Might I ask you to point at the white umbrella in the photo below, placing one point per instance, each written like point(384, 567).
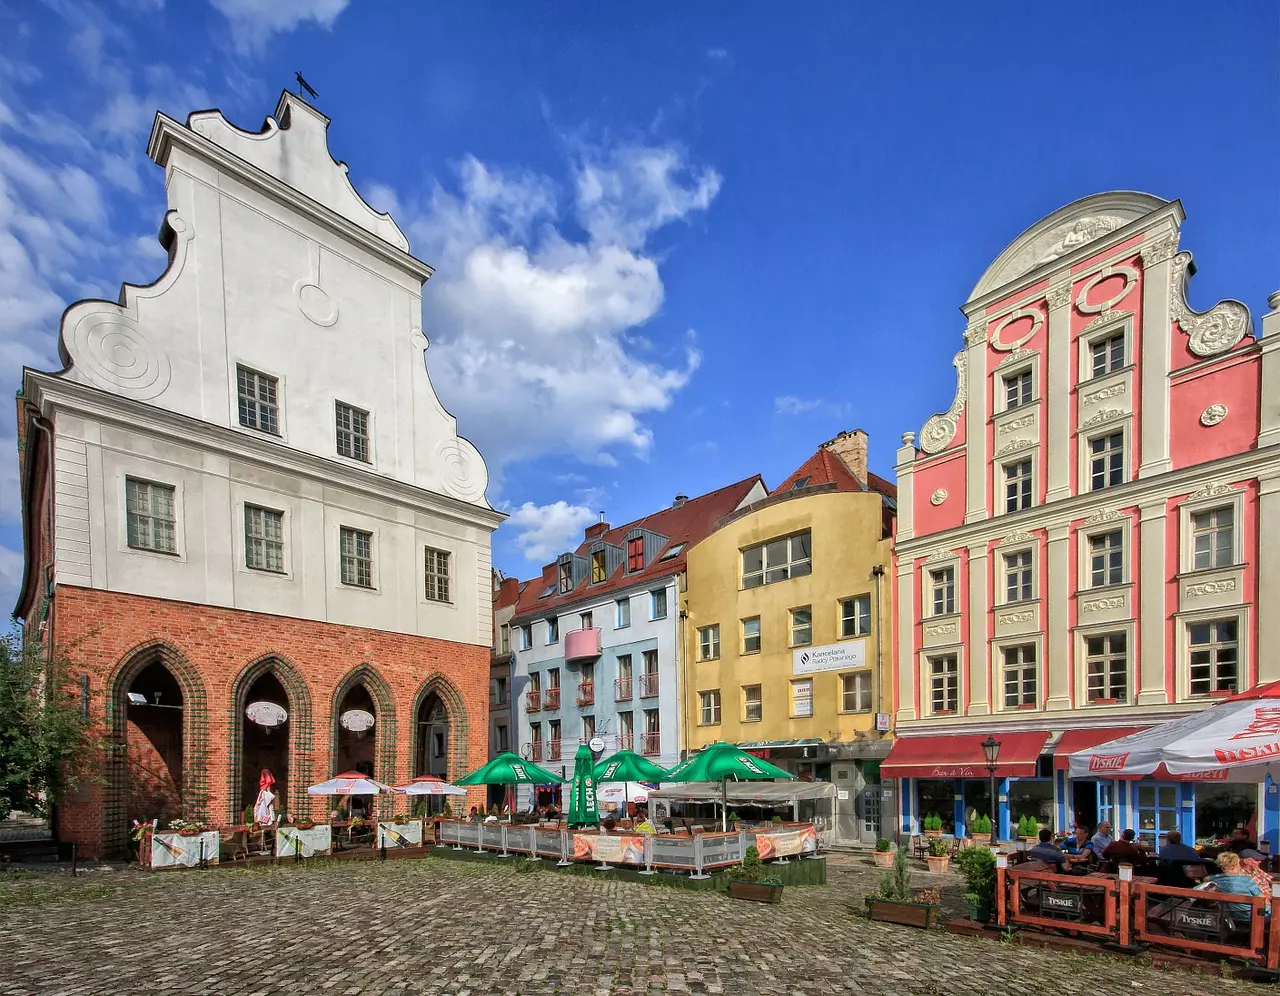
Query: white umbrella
point(614, 792)
point(429, 785)
point(1235, 741)
point(349, 783)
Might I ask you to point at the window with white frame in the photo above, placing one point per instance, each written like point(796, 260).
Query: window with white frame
point(1213, 538)
point(1106, 461)
point(751, 635)
point(1017, 389)
point(263, 539)
point(942, 587)
point(355, 548)
point(1107, 354)
point(256, 395)
point(624, 613)
point(801, 626)
point(752, 704)
point(504, 639)
point(855, 692)
point(526, 636)
point(353, 432)
point(855, 616)
point(437, 570)
point(1106, 558)
point(802, 698)
point(1019, 584)
point(777, 560)
point(944, 684)
point(709, 708)
point(658, 603)
point(553, 629)
point(1019, 676)
point(1213, 656)
point(1017, 485)
point(586, 620)
point(1106, 664)
point(150, 520)
point(708, 642)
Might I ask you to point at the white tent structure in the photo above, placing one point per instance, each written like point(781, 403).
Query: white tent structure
point(786, 798)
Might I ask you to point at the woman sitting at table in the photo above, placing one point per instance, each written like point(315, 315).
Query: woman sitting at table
point(1231, 878)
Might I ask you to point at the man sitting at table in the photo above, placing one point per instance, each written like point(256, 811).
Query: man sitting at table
point(1240, 841)
point(1103, 838)
point(1048, 852)
point(1079, 849)
point(1124, 850)
point(1231, 878)
point(1176, 861)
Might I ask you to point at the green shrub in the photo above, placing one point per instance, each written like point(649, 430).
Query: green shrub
point(896, 885)
point(776, 819)
point(978, 866)
point(884, 844)
point(933, 822)
point(981, 824)
point(1028, 826)
point(939, 848)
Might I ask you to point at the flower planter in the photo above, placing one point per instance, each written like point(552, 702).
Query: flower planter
point(933, 833)
point(190, 833)
point(884, 859)
point(758, 892)
point(907, 914)
point(938, 863)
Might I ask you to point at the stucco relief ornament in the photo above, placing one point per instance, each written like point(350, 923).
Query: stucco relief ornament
point(1212, 490)
point(1213, 414)
point(1016, 444)
point(1072, 236)
point(313, 300)
point(937, 555)
point(938, 497)
point(1102, 416)
point(1037, 320)
point(976, 333)
point(1085, 306)
point(938, 432)
point(1211, 332)
point(1018, 536)
point(1103, 515)
point(1059, 296)
point(1158, 250)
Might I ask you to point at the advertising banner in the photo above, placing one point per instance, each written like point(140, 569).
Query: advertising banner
point(832, 657)
point(173, 850)
point(294, 841)
point(784, 843)
point(608, 848)
point(392, 834)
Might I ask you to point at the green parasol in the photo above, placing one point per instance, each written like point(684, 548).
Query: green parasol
point(627, 766)
point(582, 797)
point(720, 762)
point(509, 769)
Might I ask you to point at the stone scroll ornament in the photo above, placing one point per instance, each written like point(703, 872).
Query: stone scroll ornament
point(1212, 332)
point(940, 430)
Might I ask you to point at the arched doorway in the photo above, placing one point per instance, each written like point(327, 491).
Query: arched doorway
point(266, 722)
point(431, 756)
point(153, 754)
point(356, 737)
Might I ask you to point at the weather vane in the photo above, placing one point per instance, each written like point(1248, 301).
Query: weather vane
point(304, 85)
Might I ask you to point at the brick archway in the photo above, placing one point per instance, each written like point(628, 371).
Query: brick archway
point(195, 735)
point(459, 732)
point(384, 729)
point(301, 731)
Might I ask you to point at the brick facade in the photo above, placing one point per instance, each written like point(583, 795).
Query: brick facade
point(215, 655)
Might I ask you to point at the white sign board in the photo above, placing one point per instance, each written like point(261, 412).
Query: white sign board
point(832, 657)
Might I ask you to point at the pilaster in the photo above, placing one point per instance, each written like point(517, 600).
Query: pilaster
point(1151, 605)
point(975, 436)
point(907, 660)
point(978, 656)
point(1156, 338)
point(1058, 649)
point(1056, 394)
point(1268, 554)
point(1269, 429)
point(904, 473)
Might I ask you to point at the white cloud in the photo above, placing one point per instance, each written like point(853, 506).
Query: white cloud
point(10, 503)
point(717, 54)
point(253, 22)
point(545, 531)
point(10, 576)
point(789, 405)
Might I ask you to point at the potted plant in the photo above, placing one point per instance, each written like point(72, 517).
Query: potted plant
point(980, 826)
point(933, 825)
point(892, 902)
point(732, 821)
point(978, 866)
point(748, 880)
point(1028, 829)
point(884, 853)
point(938, 855)
point(776, 821)
point(447, 812)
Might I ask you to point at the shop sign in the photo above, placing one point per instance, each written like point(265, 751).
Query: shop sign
point(1060, 902)
point(833, 657)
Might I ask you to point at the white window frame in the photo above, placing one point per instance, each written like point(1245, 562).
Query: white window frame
point(526, 636)
point(655, 596)
point(857, 677)
point(1118, 427)
point(1107, 634)
point(746, 703)
point(619, 606)
point(443, 581)
point(1234, 498)
point(709, 707)
point(279, 432)
point(1005, 553)
point(1085, 538)
point(1182, 647)
point(150, 482)
point(856, 630)
point(742, 635)
point(709, 642)
point(792, 567)
point(1028, 455)
point(1080, 645)
point(926, 681)
point(374, 559)
point(1018, 372)
point(1121, 324)
point(1001, 665)
point(795, 686)
point(367, 459)
point(245, 508)
point(930, 588)
point(796, 630)
point(587, 620)
point(552, 630)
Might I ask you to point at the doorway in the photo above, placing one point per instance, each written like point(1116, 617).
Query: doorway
point(265, 731)
point(153, 746)
point(1084, 803)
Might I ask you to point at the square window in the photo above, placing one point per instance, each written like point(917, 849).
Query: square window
point(553, 630)
point(353, 432)
point(437, 570)
point(801, 627)
point(659, 598)
point(709, 708)
point(355, 548)
point(1017, 390)
point(1213, 538)
point(624, 613)
point(1020, 676)
point(942, 581)
point(802, 698)
point(855, 692)
point(1213, 657)
point(1107, 354)
point(1017, 486)
point(256, 394)
point(1106, 559)
point(263, 539)
point(1106, 461)
point(751, 635)
point(150, 520)
point(1106, 667)
point(708, 642)
point(855, 616)
point(944, 684)
point(752, 706)
point(1018, 580)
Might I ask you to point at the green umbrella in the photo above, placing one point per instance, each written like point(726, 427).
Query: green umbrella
point(721, 761)
point(627, 766)
point(582, 797)
point(509, 769)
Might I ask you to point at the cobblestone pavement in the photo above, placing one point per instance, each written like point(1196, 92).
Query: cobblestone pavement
point(440, 926)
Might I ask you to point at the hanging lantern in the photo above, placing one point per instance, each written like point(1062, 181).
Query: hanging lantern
point(356, 720)
point(268, 715)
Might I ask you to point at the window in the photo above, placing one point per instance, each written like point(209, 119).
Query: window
point(263, 539)
point(800, 483)
point(709, 708)
point(553, 678)
point(626, 730)
point(752, 707)
point(672, 553)
point(855, 692)
point(256, 394)
point(500, 690)
point(652, 743)
point(1108, 354)
point(356, 557)
point(942, 581)
point(526, 636)
point(149, 516)
point(502, 744)
point(751, 635)
point(649, 679)
point(1213, 538)
point(624, 667)
point(635, 554)
point(1106, 559)
point(624, 613)
point(553, 630)
point(944, 684)
point(437, 565)
point(1106, 461)
point(777, 560)
point(1158, 810)
point(855, 616)
point(801, 627)
point(504, 639)
point(535, 741)
point(1106, 668)
point(535, 682)
point(1017, 390)
point(1019, 676)
point(708, 643)
point(1214, 656)
point(588, 727)
point(548, 590)
point(586, 620)
point(566, 576)
point(802, 698)
point(1017, 576)
point(353, 432)
point(1017, 486)
point(598, 573)
point(659, 600)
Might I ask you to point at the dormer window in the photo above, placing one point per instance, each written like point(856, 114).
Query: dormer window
point(566, 576)
point(598, 570)
point(801, 483)
point(635, 554)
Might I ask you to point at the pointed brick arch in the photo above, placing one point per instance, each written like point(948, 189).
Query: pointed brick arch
point(384, 729)
point(301, 731)
point(459, 732)
point(195, 734)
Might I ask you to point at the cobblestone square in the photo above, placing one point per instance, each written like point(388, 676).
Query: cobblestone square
point(440, 926)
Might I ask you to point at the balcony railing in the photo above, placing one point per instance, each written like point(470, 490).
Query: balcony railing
point(622, 689)
point(532, 701)
point(582, 644)
point(651, 743)
point(551, 698)
point(586, 693)
point(535, 750)
point(626, 741)
point(649, 685)
point(553, 750)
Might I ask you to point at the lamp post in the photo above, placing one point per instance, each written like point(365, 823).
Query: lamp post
point(991, 749)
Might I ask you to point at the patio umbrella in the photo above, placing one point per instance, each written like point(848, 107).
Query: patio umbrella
point(349, 783)
point(582, 797)
point(720, 762)
point(429, 785)
point(510, 769)
point(627, 766)
point(620, 792)
point(1235, 741)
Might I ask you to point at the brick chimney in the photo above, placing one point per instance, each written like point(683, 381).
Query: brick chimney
point(508, 591)
point(597, 528)
point(851, 447)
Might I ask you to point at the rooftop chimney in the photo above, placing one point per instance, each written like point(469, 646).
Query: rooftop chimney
point(679, 501)
point(851, 447)
point(597, 528)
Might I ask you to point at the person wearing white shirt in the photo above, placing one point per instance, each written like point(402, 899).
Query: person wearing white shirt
point(1103, 838)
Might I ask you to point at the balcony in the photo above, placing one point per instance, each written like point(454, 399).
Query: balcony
point(626, 741)
point(532, 701)
point(622, 689)
point(651, 744)
point(649, 685)
point(582, 644)
point(535, 750)
point(553, 750)
point(586, 693)
point(551, 698)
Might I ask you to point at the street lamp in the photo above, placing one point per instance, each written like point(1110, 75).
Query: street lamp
point(991, 749)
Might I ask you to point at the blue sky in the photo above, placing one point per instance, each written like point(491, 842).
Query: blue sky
point(677, 244)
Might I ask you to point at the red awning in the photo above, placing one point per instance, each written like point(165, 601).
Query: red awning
point(1074, 740)
point(961, 756)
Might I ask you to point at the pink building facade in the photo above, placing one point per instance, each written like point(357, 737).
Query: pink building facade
point(1089, 536)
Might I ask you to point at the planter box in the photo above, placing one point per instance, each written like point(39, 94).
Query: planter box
point(758, 892)
point(938, 863)
point(933, 833)
point(907, 914)
point(884, 859)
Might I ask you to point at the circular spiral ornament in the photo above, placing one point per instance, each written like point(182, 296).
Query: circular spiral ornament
point(115, 354)
point(462, 472)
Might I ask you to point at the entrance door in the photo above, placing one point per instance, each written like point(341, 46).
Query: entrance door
point(870, 813)
point(848, 783)
point(1084, 802)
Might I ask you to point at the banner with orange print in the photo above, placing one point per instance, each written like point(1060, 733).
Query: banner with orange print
point(608, 848)
point(783, 843)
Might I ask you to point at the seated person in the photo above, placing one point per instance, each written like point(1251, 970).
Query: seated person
point(1231, 878)
point(1240, 841)
point(1103, 838)
point(1048, 852)
point(1251, 864)
point(642, 822)
point(1175, 858)
point(474, 815)
point(1079, 850)
point(1124, 850)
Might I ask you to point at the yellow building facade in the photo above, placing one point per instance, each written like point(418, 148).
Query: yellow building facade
point(787, 630)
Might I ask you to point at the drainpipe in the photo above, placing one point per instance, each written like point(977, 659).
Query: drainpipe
point(877, 572)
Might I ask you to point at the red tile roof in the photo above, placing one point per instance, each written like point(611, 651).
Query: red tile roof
point(686, 524)
point(824, 467)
